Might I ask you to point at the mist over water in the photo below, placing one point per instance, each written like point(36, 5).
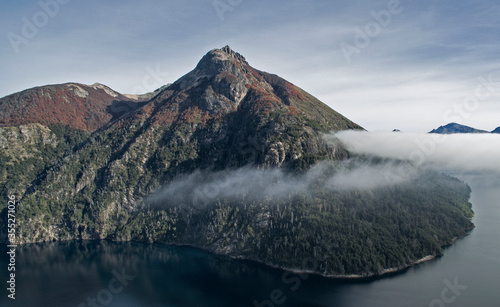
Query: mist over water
point(456, 152)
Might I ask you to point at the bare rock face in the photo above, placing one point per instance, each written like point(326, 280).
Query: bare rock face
point(225, 77)
point(223, 60)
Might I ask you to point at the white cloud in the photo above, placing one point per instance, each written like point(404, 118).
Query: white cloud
point(202, 188)
point(457, 152)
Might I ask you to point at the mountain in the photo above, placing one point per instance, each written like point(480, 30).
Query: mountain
point(453, 128)
point(497, 130)
point(74, 105)
point(233, 160)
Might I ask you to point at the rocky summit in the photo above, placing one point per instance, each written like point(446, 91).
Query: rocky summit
point(86, 162)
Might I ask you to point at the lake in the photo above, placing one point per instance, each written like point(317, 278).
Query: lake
point(94, 273)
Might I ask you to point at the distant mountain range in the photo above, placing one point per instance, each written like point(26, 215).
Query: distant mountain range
point(453, 128)
point(200, 161)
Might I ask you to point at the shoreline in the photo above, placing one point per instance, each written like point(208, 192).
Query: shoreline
point(371, 275)
point(274, 266)
point(343, 276)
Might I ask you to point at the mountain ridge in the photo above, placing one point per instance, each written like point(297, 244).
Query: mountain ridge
point(79, 106)
point(454, 128)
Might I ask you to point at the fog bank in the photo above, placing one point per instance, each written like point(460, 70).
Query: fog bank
point(456, 152)
point(251, 184)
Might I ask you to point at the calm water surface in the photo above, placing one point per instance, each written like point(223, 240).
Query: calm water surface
point(85, 274)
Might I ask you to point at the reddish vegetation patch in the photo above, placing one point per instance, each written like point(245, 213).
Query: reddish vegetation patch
point(227, 76)
point(294, 111)
point(191, 115)
point(285, 90)
point(147, 109)
point(255, 74)
point(263, 105)
point(205, 117)
point(58, 104)
point(292, 91)
point(262, 101)
point(165, 117)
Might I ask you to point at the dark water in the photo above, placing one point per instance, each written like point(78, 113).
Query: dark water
point(85, 274)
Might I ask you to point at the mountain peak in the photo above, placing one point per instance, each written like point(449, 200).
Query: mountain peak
point(224, 77)
point(223, 82)
point(105, 88)
point(226, 53)
point(221, 60)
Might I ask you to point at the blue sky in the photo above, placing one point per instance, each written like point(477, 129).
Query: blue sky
point(411, 65)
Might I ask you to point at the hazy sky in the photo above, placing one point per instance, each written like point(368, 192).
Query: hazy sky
point(411, 65)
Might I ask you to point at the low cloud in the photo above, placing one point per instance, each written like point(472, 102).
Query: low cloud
point(456, 152)
point(250, 184)
point(368, 176)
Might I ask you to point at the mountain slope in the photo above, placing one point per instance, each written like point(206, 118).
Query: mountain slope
point(456, 128)
point(41, 125)
point(497, 130)
point(27, 150)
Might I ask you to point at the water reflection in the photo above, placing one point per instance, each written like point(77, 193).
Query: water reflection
point(66, 273)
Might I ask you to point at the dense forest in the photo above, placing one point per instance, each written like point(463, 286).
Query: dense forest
point(341, 232)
